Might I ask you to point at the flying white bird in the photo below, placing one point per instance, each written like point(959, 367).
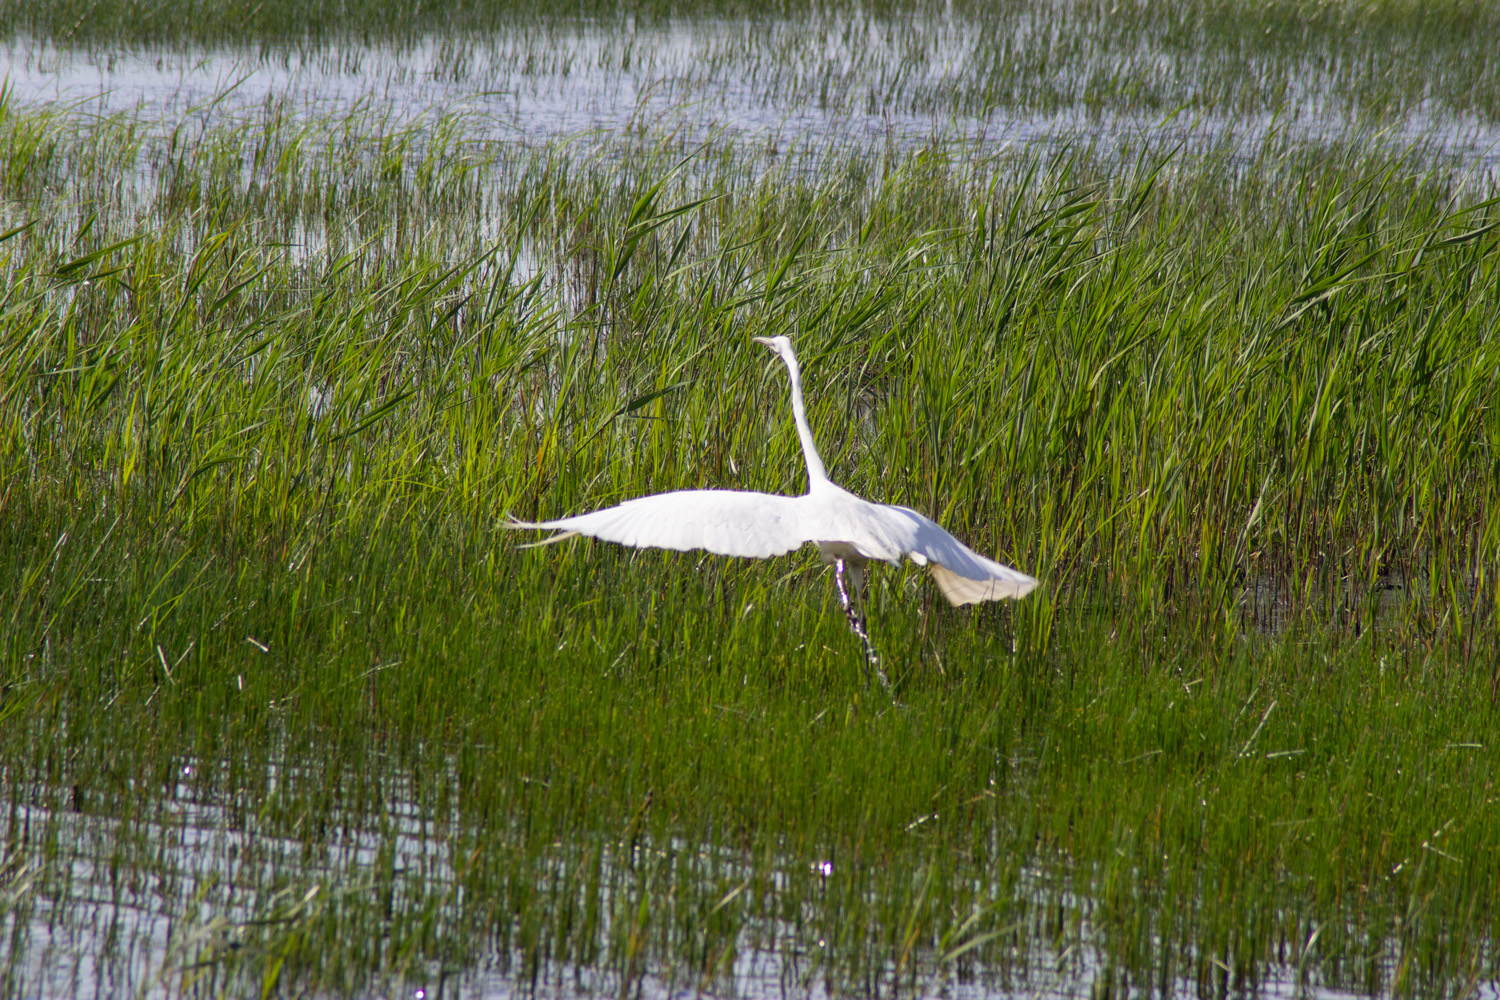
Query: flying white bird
point(848, 530)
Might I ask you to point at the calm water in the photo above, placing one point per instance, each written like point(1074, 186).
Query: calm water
point(127, 906)
point(786, 85)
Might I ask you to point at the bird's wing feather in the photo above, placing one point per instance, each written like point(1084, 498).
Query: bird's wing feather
point(725, 522)
point(965, 576)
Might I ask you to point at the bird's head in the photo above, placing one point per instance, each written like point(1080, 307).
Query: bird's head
point(778, 345)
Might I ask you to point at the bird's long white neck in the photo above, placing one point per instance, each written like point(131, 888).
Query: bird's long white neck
point(817, 475)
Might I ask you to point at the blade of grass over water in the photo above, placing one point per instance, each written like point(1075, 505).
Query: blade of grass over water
point(285, 710)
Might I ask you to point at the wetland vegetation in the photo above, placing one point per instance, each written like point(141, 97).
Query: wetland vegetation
point(1209, 346)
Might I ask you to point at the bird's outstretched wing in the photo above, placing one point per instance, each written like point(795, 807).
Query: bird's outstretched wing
point(725, 522)
point(964, 576)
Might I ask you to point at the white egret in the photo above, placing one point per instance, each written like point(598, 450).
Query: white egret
point(848, 530)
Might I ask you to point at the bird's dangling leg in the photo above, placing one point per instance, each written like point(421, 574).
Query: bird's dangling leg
point(857, 625)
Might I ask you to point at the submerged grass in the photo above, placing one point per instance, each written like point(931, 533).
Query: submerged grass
point(271, 672)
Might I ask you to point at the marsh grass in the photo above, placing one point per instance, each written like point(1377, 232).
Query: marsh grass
point(276, 684)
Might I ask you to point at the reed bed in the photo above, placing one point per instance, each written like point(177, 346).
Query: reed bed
point(284, 709)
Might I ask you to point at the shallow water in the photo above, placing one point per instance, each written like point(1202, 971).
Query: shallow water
point(787, 85)
point(583, 86)
point(116, 906)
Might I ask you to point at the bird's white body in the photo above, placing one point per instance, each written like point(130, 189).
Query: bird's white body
point(847, 529)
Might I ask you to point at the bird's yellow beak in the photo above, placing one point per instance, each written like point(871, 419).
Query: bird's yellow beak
point(764, 340)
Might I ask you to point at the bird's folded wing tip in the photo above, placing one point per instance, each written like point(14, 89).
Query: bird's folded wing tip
point(961, 590)
point(516, 524)
point(561, 536)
